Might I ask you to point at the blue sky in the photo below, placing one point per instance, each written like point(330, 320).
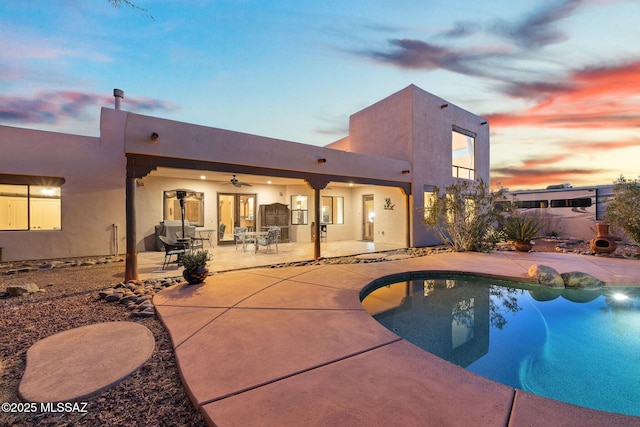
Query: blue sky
point(559, 80)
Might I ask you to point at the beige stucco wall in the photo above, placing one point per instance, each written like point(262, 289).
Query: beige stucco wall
point(389, 224)
point(92, 196)
point(188, 141)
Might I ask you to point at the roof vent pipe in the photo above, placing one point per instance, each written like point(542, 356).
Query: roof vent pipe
point(118, 95)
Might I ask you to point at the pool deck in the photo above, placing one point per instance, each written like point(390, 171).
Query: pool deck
point(294, 346)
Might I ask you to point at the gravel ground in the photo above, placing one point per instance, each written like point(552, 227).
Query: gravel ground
point(151, 396)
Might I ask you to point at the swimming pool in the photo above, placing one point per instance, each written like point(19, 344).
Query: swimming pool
point(575, 346)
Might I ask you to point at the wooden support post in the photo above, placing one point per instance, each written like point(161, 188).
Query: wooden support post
point(131, 261)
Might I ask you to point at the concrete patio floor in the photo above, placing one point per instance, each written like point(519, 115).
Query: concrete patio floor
point(294, 346)
point(225, 258)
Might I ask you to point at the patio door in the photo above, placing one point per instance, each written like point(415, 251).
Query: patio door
point(235, 210)
point(368, 217)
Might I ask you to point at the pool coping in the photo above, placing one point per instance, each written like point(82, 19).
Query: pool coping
point(281, 346)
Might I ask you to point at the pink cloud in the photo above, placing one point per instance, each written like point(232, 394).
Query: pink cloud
point(594, 98)
point(52, 107)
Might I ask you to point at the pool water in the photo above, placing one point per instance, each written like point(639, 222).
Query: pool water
point(576, 346)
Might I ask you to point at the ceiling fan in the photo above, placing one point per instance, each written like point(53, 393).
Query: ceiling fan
point(237, 183)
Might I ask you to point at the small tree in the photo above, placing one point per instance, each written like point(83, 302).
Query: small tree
point(624, 209)
point(465, 216)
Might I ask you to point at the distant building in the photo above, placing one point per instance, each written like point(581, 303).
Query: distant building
point(566, 211)
point(67, 195)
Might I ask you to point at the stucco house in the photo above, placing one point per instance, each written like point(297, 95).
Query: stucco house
point(65, 195)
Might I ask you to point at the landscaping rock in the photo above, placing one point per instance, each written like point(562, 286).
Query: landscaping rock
point(137, 295)
point(19, 290)
point(546, 276)
point(577, 279)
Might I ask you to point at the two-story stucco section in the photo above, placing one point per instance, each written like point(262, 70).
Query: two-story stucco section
point(416, 126)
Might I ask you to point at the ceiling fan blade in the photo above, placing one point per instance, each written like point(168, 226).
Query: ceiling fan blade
point(237, 183)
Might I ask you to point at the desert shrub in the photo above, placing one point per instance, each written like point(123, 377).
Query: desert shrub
point(465, 216)
point(520, 227)
point(624, 209)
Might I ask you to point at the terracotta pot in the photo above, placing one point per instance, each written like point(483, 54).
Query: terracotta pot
point(602, 244)
point(195, 276)
point(521, 246)
point(602, 230)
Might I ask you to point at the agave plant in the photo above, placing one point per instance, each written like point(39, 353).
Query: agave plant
point(195, 260)
point(521, 228)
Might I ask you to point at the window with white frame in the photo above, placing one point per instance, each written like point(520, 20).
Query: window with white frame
point(332, 210)
point(463, 153)
point(27, 206)
point(299, 210)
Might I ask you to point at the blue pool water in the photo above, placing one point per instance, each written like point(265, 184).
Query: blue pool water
point(576, 346)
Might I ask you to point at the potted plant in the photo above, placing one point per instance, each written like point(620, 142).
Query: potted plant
point(521, 229)
point(195, 266)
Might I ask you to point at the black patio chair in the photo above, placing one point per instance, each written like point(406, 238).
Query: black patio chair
point(170, 249)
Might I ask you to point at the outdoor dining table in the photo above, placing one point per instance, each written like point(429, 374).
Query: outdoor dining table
point(255, 235)
point(204, 235)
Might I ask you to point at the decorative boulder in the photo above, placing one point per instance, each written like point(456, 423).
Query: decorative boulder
point(577, 279)
point(546, 276)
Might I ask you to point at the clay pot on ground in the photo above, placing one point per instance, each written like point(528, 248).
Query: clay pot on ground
point(196, 275)
point(522, 246)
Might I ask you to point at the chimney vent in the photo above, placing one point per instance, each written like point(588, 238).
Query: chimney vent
point(118, 95)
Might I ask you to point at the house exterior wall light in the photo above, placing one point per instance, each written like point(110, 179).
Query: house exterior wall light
point(154, 136)
point(406, 172)
point(322, 160)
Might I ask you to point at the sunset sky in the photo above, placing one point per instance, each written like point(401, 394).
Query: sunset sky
point(559, 80)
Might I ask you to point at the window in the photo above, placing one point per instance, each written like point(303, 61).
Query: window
point(532, 204)
point(584, 202)
point(469, 209)
point(30, 207)
point(463, 153)
point(451, 208)
point(429, 207)
point(193, 207)
point(332, 210)
point(299, 210)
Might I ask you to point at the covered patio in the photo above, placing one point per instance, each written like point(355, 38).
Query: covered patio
point(227, 258)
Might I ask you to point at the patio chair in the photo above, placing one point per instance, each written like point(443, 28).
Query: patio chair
point(170, 249)
point(273, 235)
point(323, 232)
point(240, 238)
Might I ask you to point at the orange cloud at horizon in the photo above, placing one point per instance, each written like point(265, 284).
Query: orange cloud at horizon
point(595, 98)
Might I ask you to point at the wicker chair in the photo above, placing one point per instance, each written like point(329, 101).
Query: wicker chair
point(170, 249)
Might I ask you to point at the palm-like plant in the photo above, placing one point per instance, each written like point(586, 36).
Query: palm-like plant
point(521, 228)
point(196, 260)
